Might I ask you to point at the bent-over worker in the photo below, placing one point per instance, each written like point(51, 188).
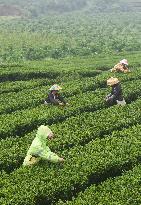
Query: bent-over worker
point(39, 150)
point(115, 97)
point(54, 97)
point(121, 67)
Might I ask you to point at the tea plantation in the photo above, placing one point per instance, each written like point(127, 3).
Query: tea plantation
point(101, 145)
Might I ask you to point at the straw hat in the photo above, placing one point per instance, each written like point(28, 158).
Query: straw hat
point(112, 81)
point(124, 61)
point(55, 87)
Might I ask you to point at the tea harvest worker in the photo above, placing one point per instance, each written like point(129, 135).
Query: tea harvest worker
point(39, 150)
point(121, 67)
point(54, 96)
point(115, 97)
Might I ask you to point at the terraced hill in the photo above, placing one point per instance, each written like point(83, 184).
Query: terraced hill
point(100, 144)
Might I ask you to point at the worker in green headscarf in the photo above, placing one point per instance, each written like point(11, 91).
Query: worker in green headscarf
point(39, 150)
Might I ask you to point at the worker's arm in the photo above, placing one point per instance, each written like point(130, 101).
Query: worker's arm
point(115, 68)
point(116, 92)
point(126, 69)
point(108, 96)
point(52, 100)
point(111, 99)
point(50, 156)
point(61, 99)
point(111, 96)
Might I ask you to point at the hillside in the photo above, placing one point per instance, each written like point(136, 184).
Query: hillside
point(101, 144)
point(34, 8)
point(39, 30)
point(72, 43)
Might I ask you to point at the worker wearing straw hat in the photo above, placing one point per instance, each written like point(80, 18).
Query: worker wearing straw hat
point(121, 67)
point(54, 97)
point(115, 97)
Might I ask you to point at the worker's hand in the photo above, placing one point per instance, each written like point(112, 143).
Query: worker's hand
point(110, 98)
point(67, 104)
point(61, 104)
point(50, 136)
point(61, 160)
point(107, 97)
point(45, 103)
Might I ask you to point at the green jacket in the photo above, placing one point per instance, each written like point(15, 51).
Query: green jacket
point(39, 146)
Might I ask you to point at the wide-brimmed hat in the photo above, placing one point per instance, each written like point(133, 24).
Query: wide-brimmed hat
point(112, 81)
point(124, 61)
point(55, 87)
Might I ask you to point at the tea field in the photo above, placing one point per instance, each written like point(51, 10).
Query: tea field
point(62, 28)
point(101, 145)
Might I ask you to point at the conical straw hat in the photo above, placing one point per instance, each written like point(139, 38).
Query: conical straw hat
point(55, 87)
point(112, 81)
point(124, 61)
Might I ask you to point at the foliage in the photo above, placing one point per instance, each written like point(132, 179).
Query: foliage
point(99, 27)
point(94, 158)
point(123, 189)
point(98, 142)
